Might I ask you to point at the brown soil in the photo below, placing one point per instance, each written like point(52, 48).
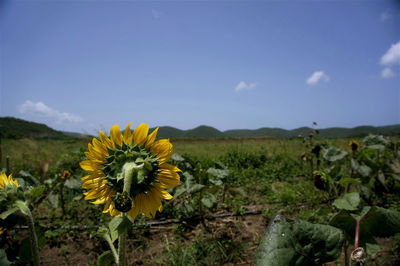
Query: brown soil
point(147, 246)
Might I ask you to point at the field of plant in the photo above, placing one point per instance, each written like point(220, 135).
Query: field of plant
point(261, 201)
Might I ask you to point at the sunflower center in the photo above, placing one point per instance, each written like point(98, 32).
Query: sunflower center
point(354, 146)
point(144, 173)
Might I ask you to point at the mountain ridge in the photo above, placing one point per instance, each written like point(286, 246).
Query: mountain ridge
point(16, 128)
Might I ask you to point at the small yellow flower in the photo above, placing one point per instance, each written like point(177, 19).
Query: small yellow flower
point(7, 181)
point(107, 159)
point(65, 175)
point(354, 146)
point(2, 230)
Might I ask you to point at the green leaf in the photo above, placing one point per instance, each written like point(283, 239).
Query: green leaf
point(37, 192)
point(53, 200)
point(73, 183)
point(216, 182)
point(218, 173)
point(187, 209)
point(21, 205)
point(349, 201)
point(364, 170)
point(375, 142)
point(3, 258)
point(346, 222)
point(298, 243)
point(191, 185)
point(105, 259)
point(179, 191)
point(8, 212)
point(375, 222)
point(27, 175)
point(103, 232)
point(119, 225)
point(381, 222)
point(396, 177)
point(209, 201)
point(25, 252)
point(395, 166)
point(382, 179)
point(195, 188)
point(349, 180)
point(372, 248)
point(354, 164)
point(333, 154)
point(177, 158)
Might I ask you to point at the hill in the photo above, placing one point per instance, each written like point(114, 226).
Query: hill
point(334, 132)
point(15, 128)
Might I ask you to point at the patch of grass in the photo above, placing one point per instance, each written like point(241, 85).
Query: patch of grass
point(203, 251)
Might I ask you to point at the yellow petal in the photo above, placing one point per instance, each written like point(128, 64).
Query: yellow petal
point(3, 180)
point(162, 149)
point(107, 205)
point(162, 193)
point(98, 201)
point(167, 177)
point(98, 154)
point(140, 134)
point(93, 158)
point(116, 136)
point(94, 183)
point(93, 194)
point(134, 211)
point(90, 166)
point(100, 147)
point(106, 141)
point(114, 212)
point(93, 175)
point(151, 138)
point(128, 134)
point(170, 167)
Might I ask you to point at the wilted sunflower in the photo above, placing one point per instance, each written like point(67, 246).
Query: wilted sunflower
point(133, 160)
point(354, 146)
point(65, 175)
point(7, 181)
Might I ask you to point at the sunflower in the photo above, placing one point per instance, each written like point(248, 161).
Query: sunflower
point(65, 175)
point(2, 230)
point(129, 172)
point(354, 146)
point(7, 181)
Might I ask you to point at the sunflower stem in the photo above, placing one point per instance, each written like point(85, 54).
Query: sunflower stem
point(34, 241)
point(122, 247)
point(130, 170)
point(23, 207)
point(113, 250)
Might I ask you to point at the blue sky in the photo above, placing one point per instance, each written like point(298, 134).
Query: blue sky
point(87, 65)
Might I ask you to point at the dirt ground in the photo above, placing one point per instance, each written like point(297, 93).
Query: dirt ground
point(84, 249)
point(148, 246)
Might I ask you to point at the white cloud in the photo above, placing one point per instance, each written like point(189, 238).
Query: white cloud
point(386, 15)
point(42, 111)
point(387, 73)
point(316, 77)
point(155, 13)
point(392, 56)
point(243, 86)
